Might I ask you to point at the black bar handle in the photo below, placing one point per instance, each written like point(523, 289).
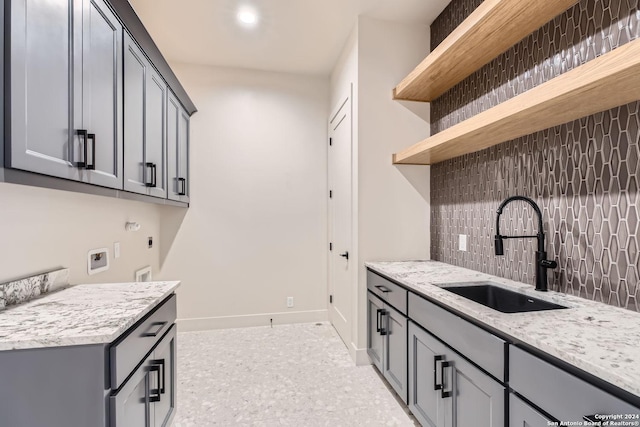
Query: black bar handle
point(437, 358)
point(84, 134)
point(182, 188)
point(92, 137)
point(383, 313)
point(378, 311)
point(446, 364)
point(151, 166)
point(345, 255)
point(383, 288)
point(155, 333)
point(154, 393)
point(161, 378)
point(155, 175)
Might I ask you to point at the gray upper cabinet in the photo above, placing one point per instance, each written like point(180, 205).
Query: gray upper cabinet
point(65, 90)
point(73, 70)
point(42, 65)
point(178, 150)
point(102, 94)
point(145, 94)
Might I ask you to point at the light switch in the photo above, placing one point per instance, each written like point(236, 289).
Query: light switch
point(462, 242)
point(116, 250)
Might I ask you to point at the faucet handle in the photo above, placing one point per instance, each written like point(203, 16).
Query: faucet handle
point(548, 263)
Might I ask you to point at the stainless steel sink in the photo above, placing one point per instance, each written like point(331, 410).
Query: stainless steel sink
point(501, 299)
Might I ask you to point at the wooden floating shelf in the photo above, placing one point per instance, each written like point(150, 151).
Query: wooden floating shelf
point(608, 81)
point(490, 30)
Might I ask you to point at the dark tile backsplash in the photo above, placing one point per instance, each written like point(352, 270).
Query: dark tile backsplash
point(584, 174)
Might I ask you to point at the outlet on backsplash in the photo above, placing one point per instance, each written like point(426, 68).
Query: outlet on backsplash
point(462, 242)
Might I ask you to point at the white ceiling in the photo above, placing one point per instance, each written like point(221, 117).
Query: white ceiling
point(297, 36)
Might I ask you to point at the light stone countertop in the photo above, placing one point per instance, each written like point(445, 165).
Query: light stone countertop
point(80, 315)
point(598, 338)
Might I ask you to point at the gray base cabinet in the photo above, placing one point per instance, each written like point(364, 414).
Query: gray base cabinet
point(425, 381)
point(387, 343)
point(523, 415)
point(461, 375)
point(445, 390)
point(80, 385)
point(148, 397)
point(560, 394)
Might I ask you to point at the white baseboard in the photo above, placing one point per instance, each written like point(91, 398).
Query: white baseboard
point(248, 320)
point(359, 355)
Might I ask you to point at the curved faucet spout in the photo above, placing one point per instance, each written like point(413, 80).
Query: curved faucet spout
point(533, 204)
point(542, 264)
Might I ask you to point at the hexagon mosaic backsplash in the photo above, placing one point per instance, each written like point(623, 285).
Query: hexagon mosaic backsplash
point(584, 175)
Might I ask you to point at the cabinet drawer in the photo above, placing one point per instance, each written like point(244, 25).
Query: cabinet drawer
point(564, 396)
point(484, 348)
point(127, 352)
point(147, 398)
point(389, 292)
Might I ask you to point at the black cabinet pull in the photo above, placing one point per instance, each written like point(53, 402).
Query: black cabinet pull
point(378, 319)
point(84, 134)
point(155, 333)
point(383, 289)
point(154, 393)
point(92, 137)
point(182, 185)
point(383, 314)
point(446, 364)
point(436, 359)
point(345, 255)
point(161, 375)
point(153, 168)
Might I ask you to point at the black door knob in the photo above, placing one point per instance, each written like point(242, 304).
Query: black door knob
point(345, 255)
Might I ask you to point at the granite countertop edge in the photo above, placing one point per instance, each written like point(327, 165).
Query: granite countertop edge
point(592, 336)
point(87, 314)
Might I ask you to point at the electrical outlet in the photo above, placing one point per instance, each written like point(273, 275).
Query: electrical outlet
point(289, 302)
point(462, 242)
point(116, 250)
point(150, 242)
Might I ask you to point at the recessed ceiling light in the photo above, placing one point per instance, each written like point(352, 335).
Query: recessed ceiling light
point(247, 16)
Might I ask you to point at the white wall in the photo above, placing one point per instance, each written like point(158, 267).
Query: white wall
point(392, 213)
point(256, 229)
point(42, 229)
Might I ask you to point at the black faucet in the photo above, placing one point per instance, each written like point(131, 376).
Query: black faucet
point(542, 263)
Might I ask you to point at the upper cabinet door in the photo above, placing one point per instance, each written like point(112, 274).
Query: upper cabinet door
point(42, 76)
point(156, 132)
point(102, 93)
point(136, 174)
point(183, 150)
point(145, 94)
point(177, 150)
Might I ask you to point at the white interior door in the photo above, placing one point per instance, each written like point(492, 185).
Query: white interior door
point(341, 261)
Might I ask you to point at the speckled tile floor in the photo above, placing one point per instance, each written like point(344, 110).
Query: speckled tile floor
point(288, 375)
